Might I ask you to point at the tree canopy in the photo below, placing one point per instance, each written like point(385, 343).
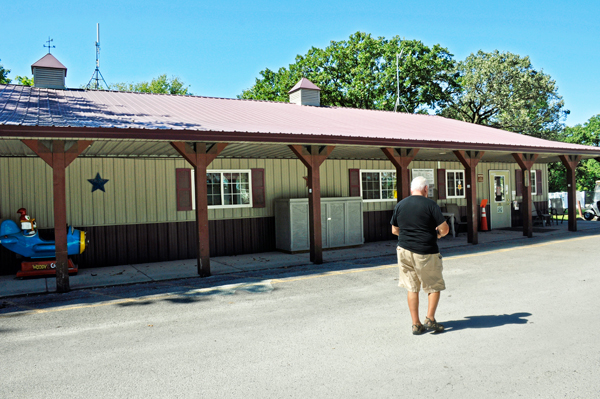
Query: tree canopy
point(503, 90)
point(24, 80)
point(161, 84)
point(361, 73)
point(588, 170)
point(4, 80)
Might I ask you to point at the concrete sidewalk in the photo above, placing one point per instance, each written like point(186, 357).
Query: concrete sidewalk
point(161, 271)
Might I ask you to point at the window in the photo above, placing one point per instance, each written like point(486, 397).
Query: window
point(378, 185)
point(227, 189)
point(499, 189)
point(455, 184)
point(428, 175)
point(533, 182)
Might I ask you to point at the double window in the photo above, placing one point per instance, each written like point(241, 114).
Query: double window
point(378, 185)
point(228, 188)
point(455, 184)
point(225, 189)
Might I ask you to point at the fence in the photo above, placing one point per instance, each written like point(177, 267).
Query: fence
point(584, 197)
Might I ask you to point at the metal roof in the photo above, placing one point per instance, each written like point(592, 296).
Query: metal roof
point(304, 84)
point(49, 61)
point(254, 128)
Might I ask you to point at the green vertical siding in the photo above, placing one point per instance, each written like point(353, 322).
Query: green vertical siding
point(144, 191)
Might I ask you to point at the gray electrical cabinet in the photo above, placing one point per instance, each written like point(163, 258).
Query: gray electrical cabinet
point(341, 223)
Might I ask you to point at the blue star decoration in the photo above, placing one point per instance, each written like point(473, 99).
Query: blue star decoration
point(98, 183)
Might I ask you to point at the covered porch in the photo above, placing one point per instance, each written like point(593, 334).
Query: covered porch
point(61, 126)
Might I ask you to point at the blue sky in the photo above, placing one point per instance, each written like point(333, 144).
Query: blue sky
point(219, 47)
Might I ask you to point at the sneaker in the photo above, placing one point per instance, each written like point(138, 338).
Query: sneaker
point(418, 329)
point(433, 325)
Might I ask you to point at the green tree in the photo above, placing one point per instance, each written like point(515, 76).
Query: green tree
point(24, 80)
point(503, 90)
point(4, 80)
point(588, 170)
point(161, 84)
point(361, 73)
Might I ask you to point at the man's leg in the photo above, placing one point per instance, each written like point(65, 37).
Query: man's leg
point(434, 299)
point(413, 306)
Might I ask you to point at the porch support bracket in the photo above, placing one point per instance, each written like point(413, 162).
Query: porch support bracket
point(470, 159)
point(525, 162)
point(401, 158)
point(58, 156)
point(312, 156)
point(200, 155)
point(571, 162)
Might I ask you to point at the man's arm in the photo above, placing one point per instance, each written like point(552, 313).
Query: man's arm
point(442, 230)
point(395, 230)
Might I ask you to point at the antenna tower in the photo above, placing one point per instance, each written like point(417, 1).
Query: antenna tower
point(95, 82)
point(398, 100)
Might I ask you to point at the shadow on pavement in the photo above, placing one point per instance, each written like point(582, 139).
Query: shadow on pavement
point(488, 321)
point(190, 290)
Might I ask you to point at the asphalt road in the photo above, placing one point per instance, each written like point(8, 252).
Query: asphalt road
point(521, 322)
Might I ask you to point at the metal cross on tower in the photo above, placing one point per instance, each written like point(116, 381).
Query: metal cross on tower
point(95, 82)
point(49, 41)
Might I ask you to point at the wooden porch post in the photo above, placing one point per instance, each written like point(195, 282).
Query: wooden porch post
point(470, 159)
point(401, 158)
point(58, 159)
point(526, 161)
point(200, 156)
point(60, 216)
point(571, 162)
point(312, 157)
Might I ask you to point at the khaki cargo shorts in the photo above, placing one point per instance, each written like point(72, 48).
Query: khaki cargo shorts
point(417, 270)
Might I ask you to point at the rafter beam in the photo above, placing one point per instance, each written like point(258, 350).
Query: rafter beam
point(401, 158)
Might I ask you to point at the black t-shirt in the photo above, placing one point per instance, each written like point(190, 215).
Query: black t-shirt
point(417, 217)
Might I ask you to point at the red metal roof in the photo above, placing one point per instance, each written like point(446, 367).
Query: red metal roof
point(48, 61)
point(106, 114)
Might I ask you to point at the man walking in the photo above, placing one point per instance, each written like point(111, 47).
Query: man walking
point(418, 222)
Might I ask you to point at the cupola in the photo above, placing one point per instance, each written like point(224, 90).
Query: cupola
point(49, 73)
point(305, 92)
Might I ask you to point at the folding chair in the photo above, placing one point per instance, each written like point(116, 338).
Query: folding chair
point(540, 217)
point(458, 220)
point(557, 209)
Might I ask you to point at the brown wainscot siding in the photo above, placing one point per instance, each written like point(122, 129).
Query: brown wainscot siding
point(142, 243)
point(377, 227)
point(156, 242)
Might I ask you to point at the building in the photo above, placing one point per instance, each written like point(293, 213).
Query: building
point(198, 177)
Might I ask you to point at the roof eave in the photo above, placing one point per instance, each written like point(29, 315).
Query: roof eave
point(46, 132)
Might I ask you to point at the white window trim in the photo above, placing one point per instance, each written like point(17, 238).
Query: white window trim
point(534, 184)
point(376, 171)
point(248, 171)
point(464, 183)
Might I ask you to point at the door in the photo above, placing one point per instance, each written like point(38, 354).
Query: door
point(499, 199)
